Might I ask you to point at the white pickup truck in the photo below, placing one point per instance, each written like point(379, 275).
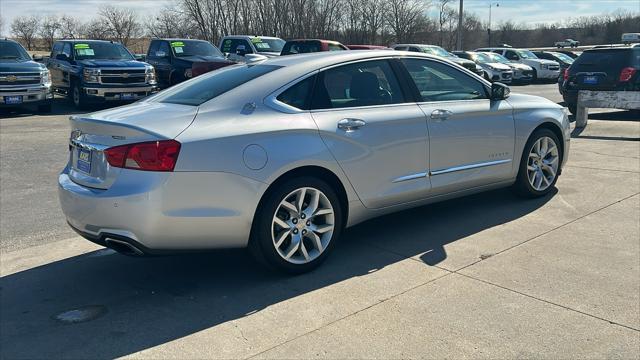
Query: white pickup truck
point(567, 42)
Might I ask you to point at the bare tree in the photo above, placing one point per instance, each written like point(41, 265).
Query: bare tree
point(121, 23)
point(49, 30)
point(169, 22)
point(405, 18)
point(25, 29)
point(70, 27)
point(95, 29)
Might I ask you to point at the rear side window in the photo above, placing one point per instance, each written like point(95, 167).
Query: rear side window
point(365, 83)
point(335, 47)
point(299, 95)
point(439, 82)
point(153, 48)
point(208, 86)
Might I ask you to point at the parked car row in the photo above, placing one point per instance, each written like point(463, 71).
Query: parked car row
point(96, 71)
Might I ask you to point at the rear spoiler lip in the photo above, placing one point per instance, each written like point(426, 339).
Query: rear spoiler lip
point(112, 123)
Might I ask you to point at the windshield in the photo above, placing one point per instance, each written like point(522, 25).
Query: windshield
point(436, 50)
point(98, 50)
point(526, 54)
point(268, 45)
point(481, 58)
point(208, 86)
point(564, 57)
point(185, 48)
point(497, 58)
point(11, 50)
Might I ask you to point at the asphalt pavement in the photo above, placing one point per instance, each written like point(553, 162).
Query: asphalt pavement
point(485, 276)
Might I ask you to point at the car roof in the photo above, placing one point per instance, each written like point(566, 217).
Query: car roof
point(249, 37)
point(87, 41)
point(320, 40)
point(420, 45)
point(178, 39)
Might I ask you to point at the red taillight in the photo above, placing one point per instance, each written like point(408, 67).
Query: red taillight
point(150, 156)
point(627, 73)
point(565, 75)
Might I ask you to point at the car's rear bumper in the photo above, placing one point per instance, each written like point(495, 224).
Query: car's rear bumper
point(548, 74)
point(164, 212)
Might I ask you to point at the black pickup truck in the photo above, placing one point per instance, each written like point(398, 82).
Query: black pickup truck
point(23, 82)
point(177, 60)
point(94, 71)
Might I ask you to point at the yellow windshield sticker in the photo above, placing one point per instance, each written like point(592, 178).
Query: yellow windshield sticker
point(81, 46)
point(256, 40)
point(177, 44)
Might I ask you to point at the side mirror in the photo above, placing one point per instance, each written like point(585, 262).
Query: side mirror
point(241, 50)
point(38, 58)
point(62, 57)
point(499, 91)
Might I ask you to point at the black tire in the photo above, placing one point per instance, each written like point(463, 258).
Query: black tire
point(77, 97)
point(522, 186)
point(261, 243)
point(46, 108)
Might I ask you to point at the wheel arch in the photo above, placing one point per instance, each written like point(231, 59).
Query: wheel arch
point(557, 131)
point(319, 172)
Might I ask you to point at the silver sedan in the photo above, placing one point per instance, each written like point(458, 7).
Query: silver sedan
point(281, 155)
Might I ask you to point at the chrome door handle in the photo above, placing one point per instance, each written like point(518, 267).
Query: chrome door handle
point(349, 125)
point(440, 114)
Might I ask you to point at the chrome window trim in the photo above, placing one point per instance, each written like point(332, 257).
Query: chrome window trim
point(469, 166)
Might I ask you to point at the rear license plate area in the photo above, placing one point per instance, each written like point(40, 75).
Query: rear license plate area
point(84, 161)
point(11, 100)
point(590, 80)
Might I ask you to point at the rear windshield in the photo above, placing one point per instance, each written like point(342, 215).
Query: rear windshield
point(301, 47)
point(604, 60)
point(208, 86)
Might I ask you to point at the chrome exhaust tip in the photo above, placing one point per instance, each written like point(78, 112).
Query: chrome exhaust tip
point(123, 247)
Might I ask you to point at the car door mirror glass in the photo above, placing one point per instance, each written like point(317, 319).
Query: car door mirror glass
point(499, 91)
point(161, 54)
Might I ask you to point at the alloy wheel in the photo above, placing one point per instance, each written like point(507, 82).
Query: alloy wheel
point(542, 164)
point(302, 225)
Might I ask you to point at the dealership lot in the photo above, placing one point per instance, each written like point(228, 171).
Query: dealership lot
point(483, 277)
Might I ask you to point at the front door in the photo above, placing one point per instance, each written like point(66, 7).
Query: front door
point(471, 138)
point(377, 137)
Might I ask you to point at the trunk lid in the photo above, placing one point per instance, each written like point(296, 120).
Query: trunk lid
point(93, 133)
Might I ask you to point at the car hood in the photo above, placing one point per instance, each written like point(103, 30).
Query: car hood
point(204, 59)
point(269, 54)
point(519, 66)
point(541, 61)
point(12, 65)
point(459, 61)
point(105, 63)
point(524, 101)
point(499, 66)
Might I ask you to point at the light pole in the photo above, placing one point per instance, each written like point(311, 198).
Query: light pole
point(489, 29)
point(460, 20)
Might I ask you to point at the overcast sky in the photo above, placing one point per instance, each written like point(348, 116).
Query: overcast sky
point(527, 11)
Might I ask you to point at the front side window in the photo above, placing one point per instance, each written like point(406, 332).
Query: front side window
point(335, 47)
point(301, 47)
point(208, 86)
point(526, 54)
point(439, 82)
point(230, 46)
point(365, 83)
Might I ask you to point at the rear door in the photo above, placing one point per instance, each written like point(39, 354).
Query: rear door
point(471, 138)
point(374, 131)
